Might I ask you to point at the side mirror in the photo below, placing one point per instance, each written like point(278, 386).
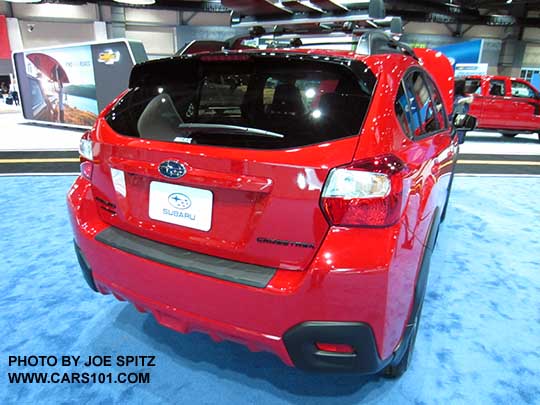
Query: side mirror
point(465, 122)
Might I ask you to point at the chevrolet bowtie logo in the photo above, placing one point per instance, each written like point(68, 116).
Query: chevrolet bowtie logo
point(109, 57)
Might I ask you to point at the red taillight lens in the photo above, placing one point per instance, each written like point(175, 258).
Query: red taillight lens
point(334, 348)
point(86, 170)
point(366, 193)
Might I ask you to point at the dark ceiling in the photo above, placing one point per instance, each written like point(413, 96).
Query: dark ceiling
point(484, 12)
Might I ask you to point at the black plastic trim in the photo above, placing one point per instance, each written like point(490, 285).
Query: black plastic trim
point(85, 267)
point(223, 269)
point(420, 288)
point(300, 343)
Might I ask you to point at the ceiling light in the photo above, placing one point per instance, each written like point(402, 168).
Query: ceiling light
point(137, 2)
point(500, 20)
point(441, 18)
point(24, 1)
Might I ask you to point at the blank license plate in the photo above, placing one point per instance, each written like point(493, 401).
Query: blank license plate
point(180, 205)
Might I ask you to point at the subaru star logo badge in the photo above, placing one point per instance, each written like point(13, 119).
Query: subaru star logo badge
point(172, 169)
point(180, 201)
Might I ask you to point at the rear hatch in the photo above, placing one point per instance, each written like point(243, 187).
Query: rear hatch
point(227, 154)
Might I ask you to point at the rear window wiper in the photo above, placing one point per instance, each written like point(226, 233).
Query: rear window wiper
point(227, 129)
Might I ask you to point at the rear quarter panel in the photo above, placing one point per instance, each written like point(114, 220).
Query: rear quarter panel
point(424, 190)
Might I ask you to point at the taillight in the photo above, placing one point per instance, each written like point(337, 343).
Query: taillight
point(85, 147)
point(365, 193)
point(87, 155)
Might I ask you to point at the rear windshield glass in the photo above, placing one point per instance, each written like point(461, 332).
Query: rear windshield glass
point(254, 103)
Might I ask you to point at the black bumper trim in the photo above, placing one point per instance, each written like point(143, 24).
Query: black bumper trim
point(85, 268)
point(300, 343)
point(223, 269)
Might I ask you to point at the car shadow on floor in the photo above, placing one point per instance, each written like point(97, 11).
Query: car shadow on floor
point(196, 352)
point(496, 138)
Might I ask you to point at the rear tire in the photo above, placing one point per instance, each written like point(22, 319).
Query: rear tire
point(509, 134)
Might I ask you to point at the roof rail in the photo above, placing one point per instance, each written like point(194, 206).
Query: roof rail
point(376, 42)
point(288, 23)
point(370, 41)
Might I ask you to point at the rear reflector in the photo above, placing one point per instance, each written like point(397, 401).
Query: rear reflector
point(334, 348)
point(86, 170)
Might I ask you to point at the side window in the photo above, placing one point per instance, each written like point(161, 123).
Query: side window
point(472, 86)
point(521, 90)
point(421, 104)
point(438, 105)
point(403, 112)
point(497, 88)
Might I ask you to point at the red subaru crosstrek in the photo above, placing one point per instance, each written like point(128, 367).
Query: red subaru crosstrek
point(287, 200)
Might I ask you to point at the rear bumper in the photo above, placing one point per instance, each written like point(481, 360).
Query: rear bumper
point(330, 302)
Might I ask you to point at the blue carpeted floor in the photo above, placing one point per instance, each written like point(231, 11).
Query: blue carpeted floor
point(479, 340)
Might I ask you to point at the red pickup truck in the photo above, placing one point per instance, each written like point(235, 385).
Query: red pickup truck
point(504, 104)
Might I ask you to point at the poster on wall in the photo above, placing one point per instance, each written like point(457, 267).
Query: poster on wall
point(471, 69)
point(463, 52)
point(69, 85)
point(62, 85)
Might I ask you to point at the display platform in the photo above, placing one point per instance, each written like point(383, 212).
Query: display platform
point(9, 108)
point(477, 343)
point(19, 135)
